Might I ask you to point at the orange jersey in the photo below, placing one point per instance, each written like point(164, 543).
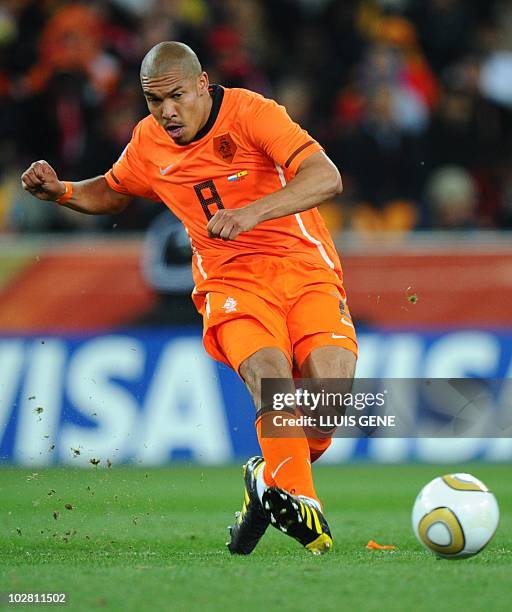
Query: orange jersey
point(249, 148)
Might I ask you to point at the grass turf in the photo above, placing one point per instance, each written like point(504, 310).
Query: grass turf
point(137, 539)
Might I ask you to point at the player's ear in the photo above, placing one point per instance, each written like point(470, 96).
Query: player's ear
point(203, 83)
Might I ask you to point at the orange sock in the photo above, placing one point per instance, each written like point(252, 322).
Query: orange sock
point(287, 460)
point(317, 447)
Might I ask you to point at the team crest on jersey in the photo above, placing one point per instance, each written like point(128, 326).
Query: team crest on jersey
point(224, 147)
point(230, 305)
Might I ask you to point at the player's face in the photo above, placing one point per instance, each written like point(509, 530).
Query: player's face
point(181, 104)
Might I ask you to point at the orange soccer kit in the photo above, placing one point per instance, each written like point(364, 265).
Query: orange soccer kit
point(278, 285)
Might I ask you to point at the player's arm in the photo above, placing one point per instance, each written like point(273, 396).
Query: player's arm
point(317, 180)
point(93, 196)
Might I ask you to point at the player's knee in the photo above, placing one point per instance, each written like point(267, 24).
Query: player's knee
point(265, 363)
point(346, 365)
point(329, 362)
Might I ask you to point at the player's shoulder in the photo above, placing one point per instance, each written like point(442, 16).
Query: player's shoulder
point(145, 127)
point(245, 101)
point(146, 137)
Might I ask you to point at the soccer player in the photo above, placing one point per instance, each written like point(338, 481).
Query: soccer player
point(245, 180)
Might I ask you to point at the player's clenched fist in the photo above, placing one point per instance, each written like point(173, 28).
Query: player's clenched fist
point(41, 180)
point(228, 224)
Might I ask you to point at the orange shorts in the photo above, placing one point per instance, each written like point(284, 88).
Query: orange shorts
point(273, 302)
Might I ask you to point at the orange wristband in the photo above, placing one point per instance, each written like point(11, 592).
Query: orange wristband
point(67, 194)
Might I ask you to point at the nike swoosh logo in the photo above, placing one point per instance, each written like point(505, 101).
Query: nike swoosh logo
point(273, 474)
point(335, 336)
point(345, 322)
point(166, 169)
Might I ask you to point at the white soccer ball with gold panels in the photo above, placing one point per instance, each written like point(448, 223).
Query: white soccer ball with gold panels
point(455, 516)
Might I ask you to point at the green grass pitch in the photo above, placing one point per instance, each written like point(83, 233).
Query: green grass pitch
point(153, 539)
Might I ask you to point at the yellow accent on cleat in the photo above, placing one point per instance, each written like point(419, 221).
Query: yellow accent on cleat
point(321, 545)
point(317, 521)
point(309, 522)
point(258, 469)
point(242, 513)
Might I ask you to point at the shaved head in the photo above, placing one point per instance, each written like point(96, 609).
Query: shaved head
point(167, 56)
point(176, 90)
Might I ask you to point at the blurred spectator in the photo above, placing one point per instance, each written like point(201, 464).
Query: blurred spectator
point(399, 60)
point(381, 160)
point(452, 198)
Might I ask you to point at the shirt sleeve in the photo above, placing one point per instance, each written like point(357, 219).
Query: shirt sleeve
point(128, 175)
point(272, 130)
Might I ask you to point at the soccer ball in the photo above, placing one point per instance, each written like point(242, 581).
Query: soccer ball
point(455, 516)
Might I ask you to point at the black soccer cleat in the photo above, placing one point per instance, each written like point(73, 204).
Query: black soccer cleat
point(252, 521)
point(298, 518)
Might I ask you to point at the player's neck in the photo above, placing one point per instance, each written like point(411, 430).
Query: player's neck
point(208, 110)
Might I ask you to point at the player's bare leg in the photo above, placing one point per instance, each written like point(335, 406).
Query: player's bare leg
point(287, 457)
point(284, 484)
point(295, 515)
point(327, 362)
point(266, 363)
point(252, 521)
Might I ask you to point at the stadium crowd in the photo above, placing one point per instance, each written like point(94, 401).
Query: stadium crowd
point(412, 99)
